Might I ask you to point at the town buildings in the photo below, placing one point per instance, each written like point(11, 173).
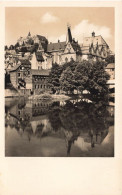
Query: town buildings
point(30, 60)
point(29, 81)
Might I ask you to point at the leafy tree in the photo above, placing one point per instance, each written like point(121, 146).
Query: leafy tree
point(81, 75)
point(54, 77)
point(67, 80)
point(86, 75)
point(110, 59)
point(97, 79)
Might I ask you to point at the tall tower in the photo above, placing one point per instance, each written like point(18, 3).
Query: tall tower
point(69, 35)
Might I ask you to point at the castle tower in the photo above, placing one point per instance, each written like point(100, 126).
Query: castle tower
point(69, 35)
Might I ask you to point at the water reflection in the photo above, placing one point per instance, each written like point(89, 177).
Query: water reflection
point(67, 128)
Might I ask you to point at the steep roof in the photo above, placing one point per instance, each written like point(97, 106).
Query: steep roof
point(40, 72)
point(111, 65)
point(56, 46)
point(69, 35)
point(94, 40)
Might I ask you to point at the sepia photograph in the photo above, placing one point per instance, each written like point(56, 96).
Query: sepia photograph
point(59, 67)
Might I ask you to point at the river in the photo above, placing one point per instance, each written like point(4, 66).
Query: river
point(73, 128)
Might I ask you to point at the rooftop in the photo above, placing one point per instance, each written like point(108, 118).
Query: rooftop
point(56, 46)
point(94, 40)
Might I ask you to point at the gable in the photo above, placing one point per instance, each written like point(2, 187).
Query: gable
point(69, 48)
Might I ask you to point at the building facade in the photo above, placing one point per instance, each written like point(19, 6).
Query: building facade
point(29, 81)
point(95, 46)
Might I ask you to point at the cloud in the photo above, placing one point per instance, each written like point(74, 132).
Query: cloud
point(84, 29)
point(48, 18)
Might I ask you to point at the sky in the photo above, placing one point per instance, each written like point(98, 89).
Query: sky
point(51, 22)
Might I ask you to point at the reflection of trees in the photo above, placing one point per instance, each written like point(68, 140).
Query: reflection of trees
point(80, 118)
point(54, 116)
point(88, 120)
point(39, 129)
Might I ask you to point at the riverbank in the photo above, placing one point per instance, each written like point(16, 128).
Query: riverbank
point(47, 96)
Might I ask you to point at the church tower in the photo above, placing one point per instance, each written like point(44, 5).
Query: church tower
point(69, 35)
point(29, 35)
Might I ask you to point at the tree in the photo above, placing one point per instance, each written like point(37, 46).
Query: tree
point(110, 59)
point(98, 77)
point(54, 77)
point(67, 80)
point(81, 75)
point(86, 75)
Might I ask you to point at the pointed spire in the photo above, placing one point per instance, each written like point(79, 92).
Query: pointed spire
point(29, 34)
point(69, 35)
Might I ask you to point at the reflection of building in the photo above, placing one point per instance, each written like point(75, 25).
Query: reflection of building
point(29, 110)
point(29, 118)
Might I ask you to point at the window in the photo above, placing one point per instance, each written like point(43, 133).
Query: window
point(19, 74)
point(35, 86)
